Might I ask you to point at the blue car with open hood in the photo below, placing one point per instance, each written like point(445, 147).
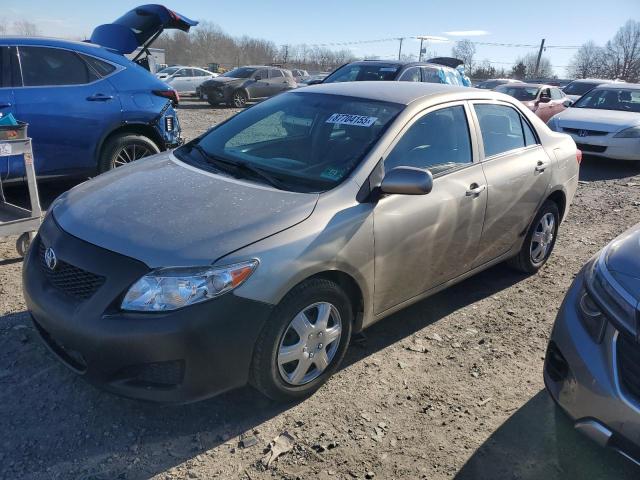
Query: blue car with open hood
point(88, 106)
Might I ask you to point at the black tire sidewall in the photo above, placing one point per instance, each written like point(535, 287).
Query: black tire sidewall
point(116, 143)
point(265, 373)
point(547, 207)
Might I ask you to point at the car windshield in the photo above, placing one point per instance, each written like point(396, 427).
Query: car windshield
point(622, 99)
point(242, 72)
point(489, 84)
point(169, 70)
point(579, 88)
point(364, 72)
point(305, 142)
point(521, 93)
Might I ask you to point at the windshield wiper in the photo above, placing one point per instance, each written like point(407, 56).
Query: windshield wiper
point(238, 167)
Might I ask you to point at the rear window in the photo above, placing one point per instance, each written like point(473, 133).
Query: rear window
point(43, 66)
point(364, 72)
point(521, 93)
point(102, 68)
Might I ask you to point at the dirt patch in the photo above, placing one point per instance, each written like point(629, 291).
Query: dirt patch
point(448, 388)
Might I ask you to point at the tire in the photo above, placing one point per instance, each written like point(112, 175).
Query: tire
point(239, 99)
point(212, 103)
point(23, 243)
point(540, 235)
point(123, 148)
point(291, 381)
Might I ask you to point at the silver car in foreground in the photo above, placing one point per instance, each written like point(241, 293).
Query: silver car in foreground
point(592, 366)
point(254, 252)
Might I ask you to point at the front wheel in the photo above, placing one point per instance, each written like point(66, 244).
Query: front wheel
point(304, 341)
point(540, 240)
point(125, 148)
point(239, 99)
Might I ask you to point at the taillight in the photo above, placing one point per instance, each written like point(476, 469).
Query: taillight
point(170, 94)
point(579, 156)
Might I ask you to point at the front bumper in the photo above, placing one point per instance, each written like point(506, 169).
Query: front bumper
point(582, 377)
point(180, 356)
point(215, 94)
point(606, 146)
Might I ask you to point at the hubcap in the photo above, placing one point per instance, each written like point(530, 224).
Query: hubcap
point(309, 343)
point(130, 153)
point(239, 99)
point(542, 238)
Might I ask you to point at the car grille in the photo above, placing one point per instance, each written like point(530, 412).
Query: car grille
point(71, 280)
point(585, 133)
point(629, 364)
point(585, 147)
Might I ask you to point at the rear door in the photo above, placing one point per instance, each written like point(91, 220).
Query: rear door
point(68, 105)
point(277, 82)
point(7, 103)
point(517, 170)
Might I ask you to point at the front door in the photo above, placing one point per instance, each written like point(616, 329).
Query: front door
point(424, 240)
point(517, 171)
point(259, 87)
point(68, 106)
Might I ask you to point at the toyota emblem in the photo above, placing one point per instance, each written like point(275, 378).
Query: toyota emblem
point(50, 258)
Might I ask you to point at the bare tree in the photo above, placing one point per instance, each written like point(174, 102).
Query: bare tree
point(545, 70)
point(465, 50)
point(623, 53)
point(3, 27)
point(588, 62)
point(25, 27)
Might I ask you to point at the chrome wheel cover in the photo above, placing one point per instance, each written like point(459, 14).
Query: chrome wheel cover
point(309, 343)
point(542, 238)
point(130, 153)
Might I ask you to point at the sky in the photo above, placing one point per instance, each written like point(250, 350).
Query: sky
point(323, 22)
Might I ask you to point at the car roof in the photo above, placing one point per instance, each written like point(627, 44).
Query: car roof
point(619, 86)
point(82, 47)
point(530, 85)
point(593, 80)
point(393, 92)
point(399, 63)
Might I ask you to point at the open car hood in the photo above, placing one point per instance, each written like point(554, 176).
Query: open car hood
point(446, 61)
point(139, 28)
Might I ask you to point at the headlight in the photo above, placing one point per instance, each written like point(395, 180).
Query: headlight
point(633, 132)
point(610, 296)
point(171, 288)
point(593, 319)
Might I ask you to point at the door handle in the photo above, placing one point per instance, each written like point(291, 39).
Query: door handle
point(541, 166)
point(100, 97)
point(475, 190)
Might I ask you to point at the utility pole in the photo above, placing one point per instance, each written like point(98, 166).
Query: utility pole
point(420, 54)
point(400, 49)
point(535, 74)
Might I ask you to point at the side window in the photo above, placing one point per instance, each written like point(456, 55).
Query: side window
point(263, 74)
point(181, 73)
point(411, 75)
point(275, 73)
point(431, 75)
point(529, 136)
point(501, 128)
point(199, 73)
point(43, 66)
point(556, 94)
point(102, 68)
point(438, 141)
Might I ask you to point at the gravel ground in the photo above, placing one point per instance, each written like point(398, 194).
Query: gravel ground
point(448, 388)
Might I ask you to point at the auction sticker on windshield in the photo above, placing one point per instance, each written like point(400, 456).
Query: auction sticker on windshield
point(347, 119)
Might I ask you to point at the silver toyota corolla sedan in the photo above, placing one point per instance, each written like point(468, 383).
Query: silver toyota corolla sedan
point(254, 252)
point(592, 367)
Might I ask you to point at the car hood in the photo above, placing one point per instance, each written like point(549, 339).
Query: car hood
point(139, 27)
point(164, 212)
point(223, 80)
point(596, 119)
point(623, 260)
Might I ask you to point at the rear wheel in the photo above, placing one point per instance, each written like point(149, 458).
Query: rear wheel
point(540, 239)
point(125, 148)
point(304, 341)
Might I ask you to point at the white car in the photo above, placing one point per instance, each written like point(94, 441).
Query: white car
point(574, 90)
point(185, 79)
point(605, 122)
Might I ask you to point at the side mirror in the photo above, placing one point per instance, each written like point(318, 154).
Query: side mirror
point(314, 82)
point(407, 181)
point(257, 77)
point(567, 103)
point(545, 99)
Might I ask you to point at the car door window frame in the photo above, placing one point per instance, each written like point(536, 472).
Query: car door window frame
point(523, 118)
point(475, 158)
point(71, 85)
point(407, 71)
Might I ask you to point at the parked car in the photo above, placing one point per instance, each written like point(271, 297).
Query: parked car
point(185, 79)
point(543, 100)
point(89, 108)
point(299, 75)
point(375, 70)
point(288, 227)
point(592, 365)
point(574, 90)
point(605, 122)
point(241, 85)
point(496, 82)
point(314, 79)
